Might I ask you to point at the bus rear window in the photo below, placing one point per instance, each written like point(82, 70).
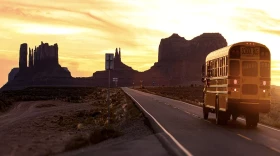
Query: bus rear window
point(264, 54)
point(249, 68)
point(265, 69)
point(234, 68)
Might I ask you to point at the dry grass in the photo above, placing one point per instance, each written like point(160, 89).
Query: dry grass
point(5, 103)
point(68, 94)
point(95, 137)
point(193, 95)
point(96, 121)
point(273, 117)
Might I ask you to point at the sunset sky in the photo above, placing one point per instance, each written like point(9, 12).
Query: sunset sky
point(87, 29)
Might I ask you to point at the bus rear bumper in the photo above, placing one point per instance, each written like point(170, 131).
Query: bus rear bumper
point(249, 106)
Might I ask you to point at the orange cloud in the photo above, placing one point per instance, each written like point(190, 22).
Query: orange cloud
point(51, 16)
point(86, 30)
point(257, 20)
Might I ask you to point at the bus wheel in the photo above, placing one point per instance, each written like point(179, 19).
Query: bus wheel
point(221, 118)
point(205, 112)
point(252, 120)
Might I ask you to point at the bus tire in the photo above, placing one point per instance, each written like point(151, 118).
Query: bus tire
point(221, 117)
point(205, 112)
point(252, 120)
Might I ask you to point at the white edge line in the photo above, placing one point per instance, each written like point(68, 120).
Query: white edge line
point(175, 141)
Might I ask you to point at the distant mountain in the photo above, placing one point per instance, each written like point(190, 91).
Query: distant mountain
point(180, 60)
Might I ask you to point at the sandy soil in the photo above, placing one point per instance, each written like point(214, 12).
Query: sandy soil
point(33, 127)
point(49, 127)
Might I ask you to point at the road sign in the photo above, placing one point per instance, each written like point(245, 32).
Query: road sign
point(109, 61)
point(115, 79)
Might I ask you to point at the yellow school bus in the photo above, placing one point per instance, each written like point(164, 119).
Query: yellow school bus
point(237, 82)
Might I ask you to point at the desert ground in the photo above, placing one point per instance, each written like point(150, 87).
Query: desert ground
point(49, 121)
point(193, 94)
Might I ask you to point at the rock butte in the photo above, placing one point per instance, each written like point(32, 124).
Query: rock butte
point(179, 62)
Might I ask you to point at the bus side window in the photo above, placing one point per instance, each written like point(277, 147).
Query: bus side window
point(218, 62)
point(211, 69)
point(223, 67)
point(227, 66)
point(208, 69)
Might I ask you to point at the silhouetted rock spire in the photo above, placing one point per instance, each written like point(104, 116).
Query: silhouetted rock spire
point(117, 55)
point(23, 56)
point(43, 56)
point(30, 64)
point(120, 54)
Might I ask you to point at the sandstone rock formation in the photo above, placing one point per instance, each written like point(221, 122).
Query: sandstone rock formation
point(42, 64)
point(179, 63)
point(180, 60)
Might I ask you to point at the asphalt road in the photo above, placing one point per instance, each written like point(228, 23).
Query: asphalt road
point(193, 135)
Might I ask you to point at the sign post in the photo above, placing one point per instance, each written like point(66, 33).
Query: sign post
point(109, 65)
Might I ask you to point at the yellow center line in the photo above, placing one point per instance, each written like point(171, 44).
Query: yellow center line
point(244, 137)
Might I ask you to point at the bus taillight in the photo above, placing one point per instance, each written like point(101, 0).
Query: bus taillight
point(232, 90)
point(264, 83)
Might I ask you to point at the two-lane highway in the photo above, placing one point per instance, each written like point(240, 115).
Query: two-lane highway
point(185, 124)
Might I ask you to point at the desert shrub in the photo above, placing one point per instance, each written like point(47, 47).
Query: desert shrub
point(103, 134)
point(4, 103)
point(76, 143)
point(69, 94)
point(95, 137)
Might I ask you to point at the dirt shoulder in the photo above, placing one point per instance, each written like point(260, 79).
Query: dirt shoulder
point(193, 95)
point(55, 125)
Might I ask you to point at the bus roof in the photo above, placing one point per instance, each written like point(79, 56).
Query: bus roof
point(225, 50)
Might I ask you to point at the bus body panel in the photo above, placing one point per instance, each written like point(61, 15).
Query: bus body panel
point(210, 99)
point(223, 102)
